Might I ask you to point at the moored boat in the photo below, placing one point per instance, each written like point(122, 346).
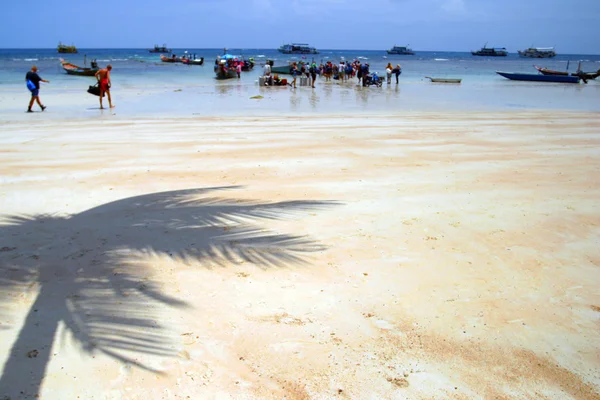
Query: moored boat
point(490, 52)
point(401, 50)
point(538, 77)
point(297, 48)
point(160, 49)
point(73, 69)
point(66, 49)
point(193, 61)
point(225, 66)
point(172, 59)
point(585, 76)
point(538, 52)
point(286, 69)
point(444, 80)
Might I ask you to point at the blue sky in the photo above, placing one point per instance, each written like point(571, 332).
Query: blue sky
point(573, 26)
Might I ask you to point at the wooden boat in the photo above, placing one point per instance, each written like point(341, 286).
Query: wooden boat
point(538, 78)
point(444, 80)
point(287, 69)
point(585, 76)
point(193, 61)
point(158, 49)
point(73, 69)
point(66, 49)
point(224, 72)
point(172, 59)
point(248, 64)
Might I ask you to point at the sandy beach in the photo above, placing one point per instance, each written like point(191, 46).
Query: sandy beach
point(393, 255)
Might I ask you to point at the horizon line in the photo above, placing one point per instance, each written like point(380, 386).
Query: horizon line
point(249, 48)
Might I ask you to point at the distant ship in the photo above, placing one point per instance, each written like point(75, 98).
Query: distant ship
point(297, 48)
point(402, 50)
point(538, 52)
point(491, 52)
point(158, 49)
point(66, 49)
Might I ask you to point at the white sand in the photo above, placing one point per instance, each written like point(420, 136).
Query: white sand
point(424, 255)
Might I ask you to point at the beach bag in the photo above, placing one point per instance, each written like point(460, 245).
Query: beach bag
point(95, 90)
point(30, 85)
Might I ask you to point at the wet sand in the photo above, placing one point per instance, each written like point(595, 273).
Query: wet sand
point(416, 255)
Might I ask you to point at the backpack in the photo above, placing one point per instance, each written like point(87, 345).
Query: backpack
point(30, 85)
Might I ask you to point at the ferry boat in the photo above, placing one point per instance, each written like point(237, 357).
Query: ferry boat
point(297, 48)
point(66, 49)
point(160, 49)
point(402, 50)
point(490, 52)
point(538, 52)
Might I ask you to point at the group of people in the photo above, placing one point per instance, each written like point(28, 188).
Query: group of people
point(233, 63)
point(344, 71)
point(33, 79)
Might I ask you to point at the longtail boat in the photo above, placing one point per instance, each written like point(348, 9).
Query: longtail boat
point(172, 59)
point(193, 61)
point(73, 69)
point(585, 76)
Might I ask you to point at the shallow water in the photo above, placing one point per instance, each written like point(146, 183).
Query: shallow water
point(142, 85)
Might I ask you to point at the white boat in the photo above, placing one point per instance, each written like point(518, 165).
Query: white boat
point(538, 52)
point(297, 48)
point(444, 80)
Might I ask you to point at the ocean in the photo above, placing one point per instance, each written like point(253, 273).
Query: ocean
point(142, 84)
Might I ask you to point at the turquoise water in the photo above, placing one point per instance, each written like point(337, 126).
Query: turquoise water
point(142, 84)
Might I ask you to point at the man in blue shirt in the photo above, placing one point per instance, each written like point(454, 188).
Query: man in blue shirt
point(33, 77)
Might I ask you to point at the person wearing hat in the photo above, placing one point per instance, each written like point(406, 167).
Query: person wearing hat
point(397, 71)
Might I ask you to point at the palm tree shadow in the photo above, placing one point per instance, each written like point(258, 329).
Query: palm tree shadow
point(90, 278)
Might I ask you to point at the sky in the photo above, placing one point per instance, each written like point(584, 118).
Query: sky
point(572, 26)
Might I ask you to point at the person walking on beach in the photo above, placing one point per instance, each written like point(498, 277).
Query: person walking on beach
point(295, 72)
point(238, 69)
point(103, 77)
point(388, 73)
point(313, 73)
point(33, 84)
point(397, 71)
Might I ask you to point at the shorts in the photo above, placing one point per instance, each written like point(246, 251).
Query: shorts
point(35, 92)
point(104, 85)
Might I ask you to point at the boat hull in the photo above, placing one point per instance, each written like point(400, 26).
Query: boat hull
point(539, 78)
point(225, 73)
point(73, 69)
point(401, 53)
point(444, 80)
point(281, 70)
point(81, 71)
point(187, 61)
point(547, 71)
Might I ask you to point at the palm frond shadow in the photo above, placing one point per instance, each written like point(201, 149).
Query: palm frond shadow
point(90, 273)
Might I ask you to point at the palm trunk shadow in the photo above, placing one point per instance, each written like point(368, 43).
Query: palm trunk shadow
point(25, 368)
point(89, 282)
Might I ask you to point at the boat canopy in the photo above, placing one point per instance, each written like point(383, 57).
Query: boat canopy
point(229, 57)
